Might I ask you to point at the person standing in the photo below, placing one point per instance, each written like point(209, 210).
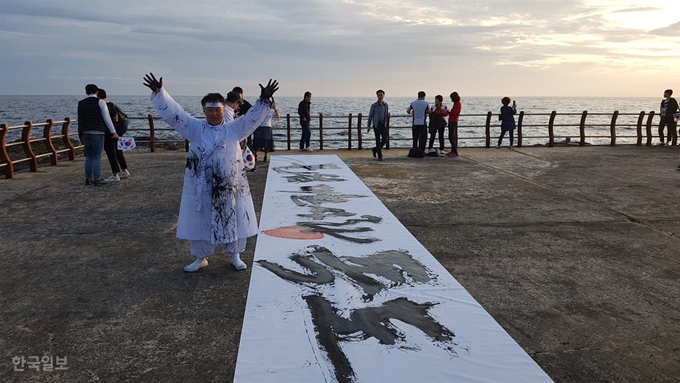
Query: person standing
point(437, 122)
point(115, 156)
point(507, 118)
point(305, 113)
point(263, 138)
point(231, 104)
point(94, 122)
point(241, 110)
point(243, 105)
point(377, 118)
point(454, 115)
point(419, 110)
point(216, 206)
point(669, 106)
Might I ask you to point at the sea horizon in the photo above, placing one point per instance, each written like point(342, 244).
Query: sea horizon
point(15, 110)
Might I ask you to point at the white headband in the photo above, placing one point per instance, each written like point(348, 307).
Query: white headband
point(213, 105)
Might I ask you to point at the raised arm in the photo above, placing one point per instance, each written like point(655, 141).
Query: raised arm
point(245, 126)
point(171, 112)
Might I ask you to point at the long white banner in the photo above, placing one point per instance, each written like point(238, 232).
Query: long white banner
point(342, 292)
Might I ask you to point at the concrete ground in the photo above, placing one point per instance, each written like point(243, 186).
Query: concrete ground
point(573, 250)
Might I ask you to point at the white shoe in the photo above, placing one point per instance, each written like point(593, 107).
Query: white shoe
point(124, 174)
point(310, 149)
point(442, 152)
point(237, 262)
point(498, 146)
point(113, 178)
point(197, 264)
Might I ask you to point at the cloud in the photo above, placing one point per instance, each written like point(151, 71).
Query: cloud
point(333, 46)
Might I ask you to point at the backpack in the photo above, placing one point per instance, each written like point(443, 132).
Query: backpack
point(415, 153)
point(119, 118)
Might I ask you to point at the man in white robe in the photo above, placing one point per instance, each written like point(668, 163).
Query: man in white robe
point(216, 206)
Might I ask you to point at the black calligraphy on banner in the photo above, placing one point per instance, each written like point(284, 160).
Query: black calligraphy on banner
point(301, 173)
point(315, 197)
point(372, 275)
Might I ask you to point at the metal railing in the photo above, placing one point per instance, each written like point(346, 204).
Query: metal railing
point(345, 130)
point(352, 130)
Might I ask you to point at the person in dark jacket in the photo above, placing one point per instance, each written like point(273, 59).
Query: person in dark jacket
point(378, 116)
point(304, 111)
point(669, 107)
point(507, 118)
point(115, 156)
point(93, 123)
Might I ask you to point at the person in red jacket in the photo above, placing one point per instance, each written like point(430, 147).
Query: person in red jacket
point(437, 122)
point(454, 115)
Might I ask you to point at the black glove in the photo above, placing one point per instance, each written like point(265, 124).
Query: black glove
point(267, 92)
point(153, 84)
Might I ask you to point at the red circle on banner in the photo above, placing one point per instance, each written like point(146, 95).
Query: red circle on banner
point(294, 232)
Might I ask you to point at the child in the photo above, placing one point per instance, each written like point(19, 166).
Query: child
point(507, 118)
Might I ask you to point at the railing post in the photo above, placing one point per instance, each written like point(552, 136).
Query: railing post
point(649, 127)
point(639, 128)
point(152, 133)
point(488, 129)
point(4, 156)
point(288, 130)
point(67, 138)
point(360, 143)
point(349, 133)
point(26, 138)
point(387, 131)
point(47, 135)
point(582, 128)
point(612, 128)
point(519, 128)
point(551, 128)
point(320, 131)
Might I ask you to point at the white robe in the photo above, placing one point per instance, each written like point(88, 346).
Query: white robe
point(216, 202)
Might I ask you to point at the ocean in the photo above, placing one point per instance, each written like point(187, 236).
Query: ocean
point(15, 110)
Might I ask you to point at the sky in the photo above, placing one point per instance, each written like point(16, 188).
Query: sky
point(343, 48)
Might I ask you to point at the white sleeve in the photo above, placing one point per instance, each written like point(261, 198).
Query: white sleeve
point(173, 114)
point(106, 116)
point(245, 125)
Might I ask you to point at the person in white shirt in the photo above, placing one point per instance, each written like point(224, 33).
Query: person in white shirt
point(216, 205)
point(419, 109)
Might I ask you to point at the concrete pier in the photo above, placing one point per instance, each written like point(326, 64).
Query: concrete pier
point(575, 251)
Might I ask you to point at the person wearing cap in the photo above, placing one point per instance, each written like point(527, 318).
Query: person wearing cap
point(216, 205)
point(94, 122)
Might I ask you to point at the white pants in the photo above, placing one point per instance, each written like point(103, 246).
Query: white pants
point(204, 249)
